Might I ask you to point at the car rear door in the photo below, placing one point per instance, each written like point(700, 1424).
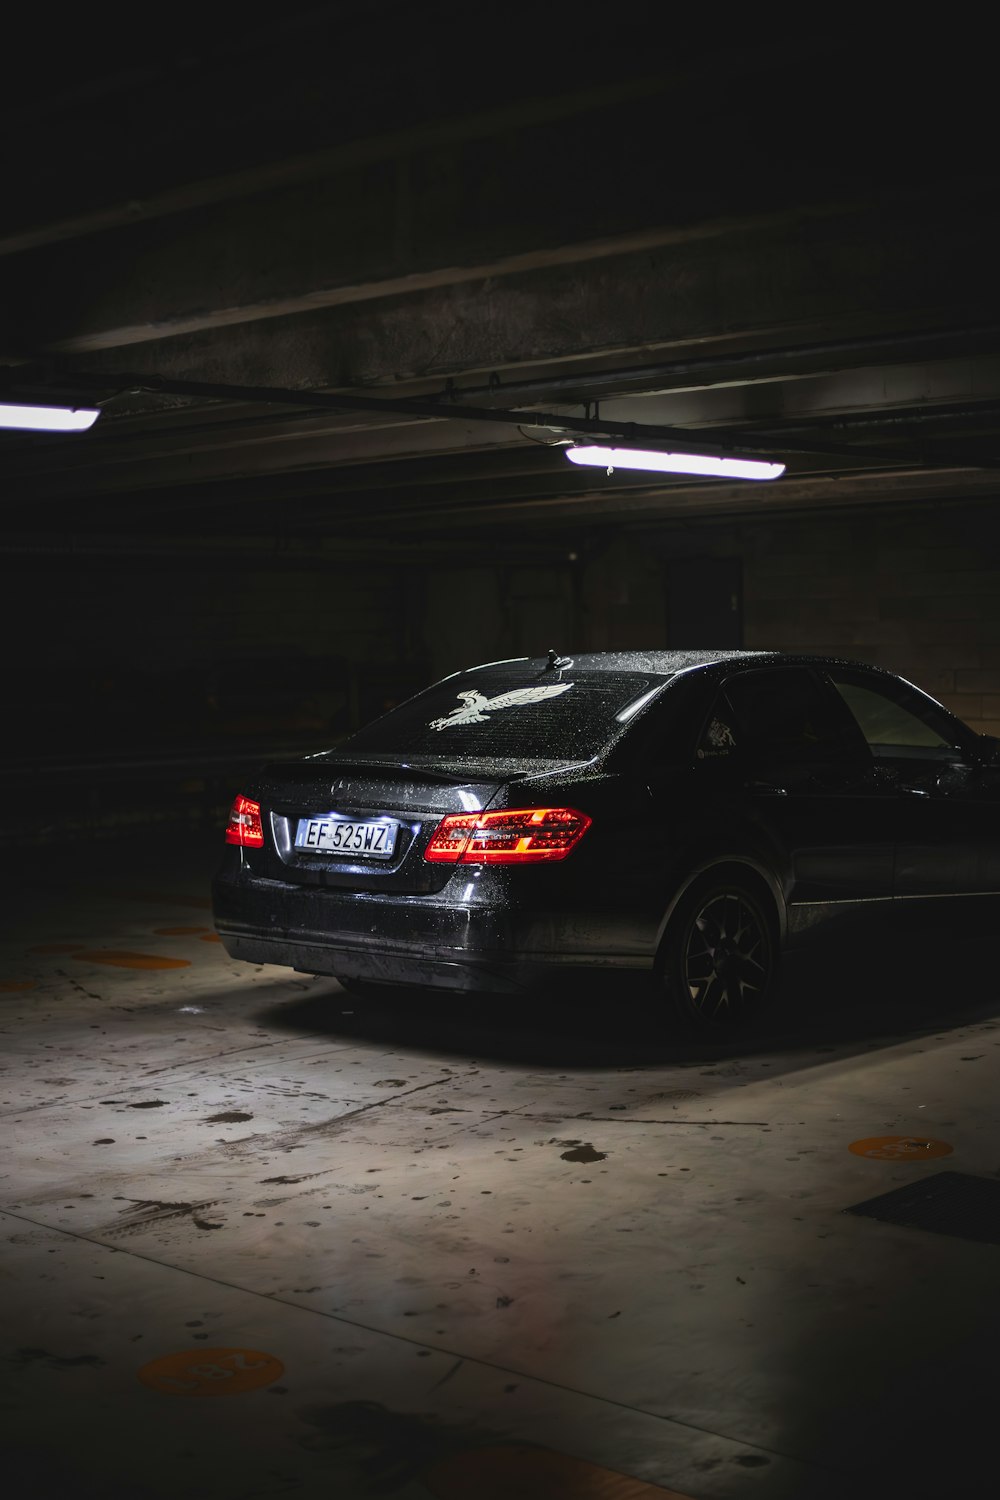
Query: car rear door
point(782, 751)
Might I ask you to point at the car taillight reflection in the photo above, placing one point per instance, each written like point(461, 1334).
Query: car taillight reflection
point(516, 836)
point(245, 827)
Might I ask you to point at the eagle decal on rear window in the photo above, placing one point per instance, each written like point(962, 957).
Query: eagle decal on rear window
point(475, 709)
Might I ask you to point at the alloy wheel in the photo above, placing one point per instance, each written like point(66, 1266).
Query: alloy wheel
point(726, 961)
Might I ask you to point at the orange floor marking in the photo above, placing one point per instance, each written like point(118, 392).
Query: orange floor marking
point(9, 985)
point(178, 931)
point(533, 1474)
point(211, 937)
point(900, 1148)
point(211, 1372)
point(124, 960)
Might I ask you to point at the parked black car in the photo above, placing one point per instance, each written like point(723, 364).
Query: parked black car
point(686, 813)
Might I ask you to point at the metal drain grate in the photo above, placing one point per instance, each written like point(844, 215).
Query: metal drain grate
point(947, 1203)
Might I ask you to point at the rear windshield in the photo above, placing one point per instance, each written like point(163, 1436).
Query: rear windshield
point(510, 712)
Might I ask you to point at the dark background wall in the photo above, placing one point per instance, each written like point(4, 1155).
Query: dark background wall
point(915, 589)
point(192, 646)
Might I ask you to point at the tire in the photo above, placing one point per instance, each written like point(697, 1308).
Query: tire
point(719, 957)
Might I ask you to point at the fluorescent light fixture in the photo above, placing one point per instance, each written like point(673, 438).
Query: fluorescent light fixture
point(48, 418)
point(675, 463)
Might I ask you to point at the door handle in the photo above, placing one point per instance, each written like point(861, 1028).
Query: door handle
point(914, 791)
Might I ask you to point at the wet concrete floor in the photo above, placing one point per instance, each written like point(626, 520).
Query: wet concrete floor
point(260, 1238)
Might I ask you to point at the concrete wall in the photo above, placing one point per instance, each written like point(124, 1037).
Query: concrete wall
point(917, 591)
point(160, 651)
point(918, 594)
point(154, 652)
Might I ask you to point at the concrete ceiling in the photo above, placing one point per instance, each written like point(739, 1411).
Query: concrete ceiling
point(767, 241)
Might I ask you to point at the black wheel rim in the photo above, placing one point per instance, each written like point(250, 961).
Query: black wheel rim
point(727, 959)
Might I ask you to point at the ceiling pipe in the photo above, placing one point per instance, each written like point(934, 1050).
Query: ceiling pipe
point(557, 422)
point(724, 440)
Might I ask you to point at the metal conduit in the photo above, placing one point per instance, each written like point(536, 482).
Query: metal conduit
point(727, 440)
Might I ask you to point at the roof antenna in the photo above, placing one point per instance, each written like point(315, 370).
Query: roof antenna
point(555, 660)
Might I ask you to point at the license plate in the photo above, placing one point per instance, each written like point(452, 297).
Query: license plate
point(333, 835)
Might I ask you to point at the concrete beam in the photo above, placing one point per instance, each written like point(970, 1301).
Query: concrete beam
point(818, 275)
point(615, 506)
point(330, 162)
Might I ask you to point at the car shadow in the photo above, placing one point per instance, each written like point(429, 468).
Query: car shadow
point(855, 999)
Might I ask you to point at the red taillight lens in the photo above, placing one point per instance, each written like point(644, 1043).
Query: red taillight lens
point(451, 838)
point(514, 837)
point(245, 827)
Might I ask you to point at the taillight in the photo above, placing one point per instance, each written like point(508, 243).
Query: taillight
point(516, 836)
point(245, 827)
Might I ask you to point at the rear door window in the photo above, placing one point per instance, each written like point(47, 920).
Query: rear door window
point(782, 717)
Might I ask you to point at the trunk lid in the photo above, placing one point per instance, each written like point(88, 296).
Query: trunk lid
point(407, 798)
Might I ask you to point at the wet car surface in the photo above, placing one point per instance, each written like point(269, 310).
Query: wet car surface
point(684, 815)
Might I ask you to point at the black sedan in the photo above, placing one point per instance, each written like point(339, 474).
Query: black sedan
point(690, 814)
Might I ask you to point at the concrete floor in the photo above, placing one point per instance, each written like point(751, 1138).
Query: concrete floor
point(260, 1239)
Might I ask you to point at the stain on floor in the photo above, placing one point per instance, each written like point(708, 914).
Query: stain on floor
point(25, 1357)
point(454, 1460)
point(120, 958)
point(391, 1448)
point(581, 1151)
point(146, 1213)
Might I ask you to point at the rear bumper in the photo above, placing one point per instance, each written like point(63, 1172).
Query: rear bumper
point(383, 965)
point(416, 940)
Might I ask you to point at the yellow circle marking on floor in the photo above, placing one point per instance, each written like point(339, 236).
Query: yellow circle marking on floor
point(900, 1148)
point(8, 986)
point(533, 1474)
point(178, 931)
point(211, 1372)
point(123, 960)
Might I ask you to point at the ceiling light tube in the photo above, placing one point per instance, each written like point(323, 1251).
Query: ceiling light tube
point(48, 418)
point(705, 464)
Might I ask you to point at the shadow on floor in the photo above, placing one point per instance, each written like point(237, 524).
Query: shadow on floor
point(851, 1000)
